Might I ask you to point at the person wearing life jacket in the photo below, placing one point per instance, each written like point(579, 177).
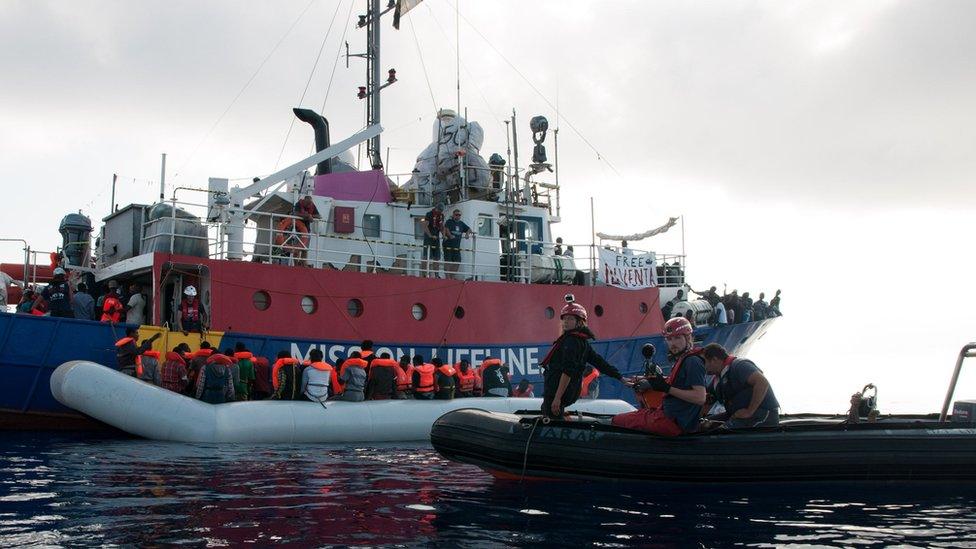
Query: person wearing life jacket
point(112, 307)
point(235, 370)
point(404, 373)
point(127, 351)
point(245, 370)
point(495, 379)
point(479, 383)
point(197, 360)
point(684, 388)
point(148, 368)
point(523, 390)
point(286, 378)
point(58, 295)
point(444, 379)
point(193, 315)
point(215, 384)
point(366, 352)
point(172, 372)
point(742, 389)
point(424, 383)
point(262, 388)
point(319, 378)
point(466, 378)
point(352, 377)
point(381, 381)
point(590, 388)
point(565, 362)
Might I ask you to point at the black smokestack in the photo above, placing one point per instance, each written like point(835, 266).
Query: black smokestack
point(321, 127)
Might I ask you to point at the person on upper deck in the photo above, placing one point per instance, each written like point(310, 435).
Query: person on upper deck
point(193, 315)
point(684, 388)
point(564, 364)
point(558, 248)
point(760, 308)
point(669, 306)
point(774, 305)
point(741, 388)
point(433, 224)
point(58, 295)
point(624, 250)
point(711, 296)
point(82, 303)
point(135, 306)
point(305, 208)
point(111, 308)
point(454, 229)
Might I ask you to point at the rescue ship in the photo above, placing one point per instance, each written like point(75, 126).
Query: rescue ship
point(269, 279)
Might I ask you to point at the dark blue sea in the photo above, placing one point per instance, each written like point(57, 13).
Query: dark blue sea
point(81, 491)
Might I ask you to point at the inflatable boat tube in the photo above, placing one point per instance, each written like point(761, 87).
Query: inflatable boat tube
point(916, 448)
point(145, 410)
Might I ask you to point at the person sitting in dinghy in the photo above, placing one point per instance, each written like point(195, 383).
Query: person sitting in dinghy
point(684, 388)
point(742, 388)
point(567, 359)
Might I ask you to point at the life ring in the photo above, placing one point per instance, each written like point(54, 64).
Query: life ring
point(287, 228)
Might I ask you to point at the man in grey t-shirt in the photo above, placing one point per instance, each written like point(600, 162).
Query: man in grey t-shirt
point(135, 308)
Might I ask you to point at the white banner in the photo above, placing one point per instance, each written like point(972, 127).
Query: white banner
point(628, 271)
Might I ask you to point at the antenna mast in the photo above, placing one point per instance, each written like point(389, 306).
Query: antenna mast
point(371, 91)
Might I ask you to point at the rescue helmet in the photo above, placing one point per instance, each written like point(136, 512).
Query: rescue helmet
point(677, 326)
point(574, 309)
point(59, 271)
point(190, 291)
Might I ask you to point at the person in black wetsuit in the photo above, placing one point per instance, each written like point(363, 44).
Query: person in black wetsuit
point(567, 359)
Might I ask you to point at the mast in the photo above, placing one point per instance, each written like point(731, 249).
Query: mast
point(372, 79)
point(371, 91)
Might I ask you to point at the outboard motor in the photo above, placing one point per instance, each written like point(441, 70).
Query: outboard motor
point(539, 126)
point(321, 127)
point(75, 232)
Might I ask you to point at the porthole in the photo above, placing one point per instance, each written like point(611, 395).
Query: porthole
point(550, 313)
point(261, 300)
point(309, 304)
point(459, 312)
point(354, 307)
point(643, 308)
point(598, 310)
point(419, 311)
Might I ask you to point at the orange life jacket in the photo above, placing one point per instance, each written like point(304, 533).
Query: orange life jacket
point(351, 362)
point(404, 377)
point(217, 358)
point(240, 355)
point(277, 366)
point(654, 399)
point(149, 353)
point(467, 380)
point(590, 378)
point(447, 370)
point(522, 394)
point(123, 341)
point(333, 379)
point(205, 353)
point(111, 309)
point(426, 384)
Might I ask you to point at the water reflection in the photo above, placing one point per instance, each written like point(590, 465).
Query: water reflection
point(74, 491)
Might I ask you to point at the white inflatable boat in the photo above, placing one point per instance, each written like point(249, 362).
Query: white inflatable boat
point(149, 411)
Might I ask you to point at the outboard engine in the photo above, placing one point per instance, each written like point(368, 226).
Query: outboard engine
point(75, 232)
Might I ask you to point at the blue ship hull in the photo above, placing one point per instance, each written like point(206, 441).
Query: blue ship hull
point(31, 347)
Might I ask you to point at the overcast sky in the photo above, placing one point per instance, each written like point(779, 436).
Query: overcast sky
point(821, 147)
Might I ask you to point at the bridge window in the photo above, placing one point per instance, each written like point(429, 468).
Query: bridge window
point(371, 225)
point(485, 226)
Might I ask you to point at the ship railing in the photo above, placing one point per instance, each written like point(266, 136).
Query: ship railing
point(428, 189)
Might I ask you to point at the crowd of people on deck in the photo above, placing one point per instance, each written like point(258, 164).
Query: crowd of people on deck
point(730, 308)
point(236, 374)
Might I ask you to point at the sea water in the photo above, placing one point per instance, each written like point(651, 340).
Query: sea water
point(79, 490)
